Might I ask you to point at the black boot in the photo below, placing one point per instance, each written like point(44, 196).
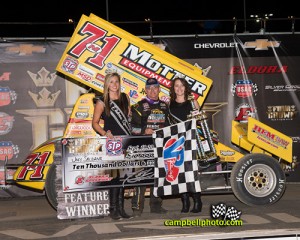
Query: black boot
point(114, 204)
point(121, 204)
point(138, 201)
point(185, 198)
point(197, 202)
point(156, 204)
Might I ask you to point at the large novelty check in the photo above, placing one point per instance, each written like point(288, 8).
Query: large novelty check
point(95, 163)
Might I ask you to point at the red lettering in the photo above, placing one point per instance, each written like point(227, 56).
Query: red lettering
point(261, 69)
point(38, 168)
point(5, 76)
point(244, 113)
point(235, 70)
point(252, 69)
point(94, 34)
point(284, 69)
point(271, 69)
point(258, 69)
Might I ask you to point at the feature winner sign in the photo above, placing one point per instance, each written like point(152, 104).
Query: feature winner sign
point(83, 204)
point(98, 47)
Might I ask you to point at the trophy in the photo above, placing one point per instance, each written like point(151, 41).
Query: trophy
point(206, 148)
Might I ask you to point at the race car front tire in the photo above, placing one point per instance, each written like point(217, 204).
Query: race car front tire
point(258, 179)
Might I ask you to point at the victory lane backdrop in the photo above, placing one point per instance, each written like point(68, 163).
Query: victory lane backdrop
point(35, 102)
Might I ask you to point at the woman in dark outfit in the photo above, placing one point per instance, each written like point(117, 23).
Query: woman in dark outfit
point(114, 109)
point(180, 108)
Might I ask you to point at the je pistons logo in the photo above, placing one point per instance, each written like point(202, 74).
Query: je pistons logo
point(114, 146)
point(243, 111)
point(173, 155)
point(79, 180)
point(6, 123)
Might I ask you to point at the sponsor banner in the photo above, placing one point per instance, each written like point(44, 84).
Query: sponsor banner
point(270, 139)
point(95, 163)
point(282, 112)
point(231, 47)
point(97, 47)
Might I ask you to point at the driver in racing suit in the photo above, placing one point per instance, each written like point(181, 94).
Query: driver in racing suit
point(148, 115)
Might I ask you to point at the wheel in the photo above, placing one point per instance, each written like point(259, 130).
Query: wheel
point(50, 187)
point(257, 179)
point(53, 179)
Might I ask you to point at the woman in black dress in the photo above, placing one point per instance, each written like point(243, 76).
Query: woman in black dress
point(180, 108)
point(114, 109)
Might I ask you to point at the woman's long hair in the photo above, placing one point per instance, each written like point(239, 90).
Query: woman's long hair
point(122, 105)
point(187, 91)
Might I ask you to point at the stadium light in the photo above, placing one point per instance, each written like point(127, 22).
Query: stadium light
point(263, 20)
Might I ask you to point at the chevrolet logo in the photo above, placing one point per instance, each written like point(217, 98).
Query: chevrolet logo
point(25, 49)
point(262, 44)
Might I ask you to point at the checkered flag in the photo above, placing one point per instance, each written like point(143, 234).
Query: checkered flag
point(176, 168)
point(218, 210)
point(232, 214)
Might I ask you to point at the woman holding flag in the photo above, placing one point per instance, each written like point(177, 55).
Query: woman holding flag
point(180, 108)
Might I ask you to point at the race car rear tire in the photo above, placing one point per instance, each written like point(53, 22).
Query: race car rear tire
point(53, 184)
point(50, 187)
point(257, 179)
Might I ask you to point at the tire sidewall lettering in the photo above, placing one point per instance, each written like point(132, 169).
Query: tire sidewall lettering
point(278, 191)
point(243, 168)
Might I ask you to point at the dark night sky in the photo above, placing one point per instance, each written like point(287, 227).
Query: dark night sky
point(132, 10)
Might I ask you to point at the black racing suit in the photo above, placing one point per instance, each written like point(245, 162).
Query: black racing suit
point(148, 114)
